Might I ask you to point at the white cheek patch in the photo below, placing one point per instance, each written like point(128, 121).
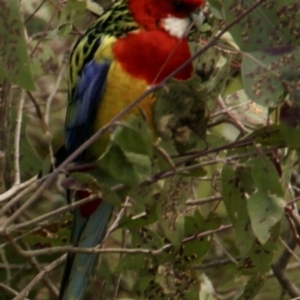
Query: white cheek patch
point(175, 26)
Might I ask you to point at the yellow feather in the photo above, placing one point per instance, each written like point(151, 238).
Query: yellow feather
point(121, 90)
point(104, 51)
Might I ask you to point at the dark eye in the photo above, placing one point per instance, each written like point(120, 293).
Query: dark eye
point(179, 6)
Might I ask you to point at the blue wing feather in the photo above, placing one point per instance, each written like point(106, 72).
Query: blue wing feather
point(83, 107)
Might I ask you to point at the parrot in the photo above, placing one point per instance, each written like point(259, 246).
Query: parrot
point(132, 45)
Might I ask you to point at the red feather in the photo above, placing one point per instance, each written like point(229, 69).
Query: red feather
point(153, 55)
point(89, 208)
point(149, 12)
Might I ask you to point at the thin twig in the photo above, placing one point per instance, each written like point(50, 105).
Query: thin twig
point(18, 126)
point(20, 195)
point(53, 93)
point(35, 11)
point(48, 109)
point(14, 190)
point(39, 113)
point(226, 109)
point(219, 244)
point(115, 224)
point(216, 263)
point(204, 200)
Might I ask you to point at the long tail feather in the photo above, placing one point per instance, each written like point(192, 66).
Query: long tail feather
point(87, 233)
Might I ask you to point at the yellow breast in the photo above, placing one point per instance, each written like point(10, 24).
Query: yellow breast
point(121, 90)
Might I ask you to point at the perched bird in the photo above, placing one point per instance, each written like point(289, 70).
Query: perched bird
point(134, 44)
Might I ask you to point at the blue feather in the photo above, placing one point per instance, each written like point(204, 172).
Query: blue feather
point(91, 232)
point(83, 108)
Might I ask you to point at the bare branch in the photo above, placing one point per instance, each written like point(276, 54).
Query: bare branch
point(16, 189)
point(70, 249)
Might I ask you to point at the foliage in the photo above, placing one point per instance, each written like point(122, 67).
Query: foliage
point(206, 210)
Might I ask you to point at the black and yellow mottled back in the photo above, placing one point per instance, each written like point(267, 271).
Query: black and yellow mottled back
point(117, 21)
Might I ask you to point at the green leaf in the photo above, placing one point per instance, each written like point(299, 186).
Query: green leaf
point(145, 238)
point(245, 111)
point(265, 205)
point(148, 217)
point(235, 183)
point(197, 172)
point(14, 60)
point(143, 196)
point(220, 74)
point(290, 135)
point(94, 7)
point(196, 250)
point(117, 165)
point(215, 7)
point(268, 74)
point(133, 136)
point(163, 154)
point(211, 222)
point(68, 14)
point(264, 211)
point(180, 114)
point(154, 290)
point(269, 135)
point(260, 256)
point(188, 289)
point(83, 181)
point(252, 287)
point(271, 24)
point(52, 235)
point(110, 196)
point(128, 157)
point(44, 60)
point(265, 175)
point(141, 163)
point(134, 262)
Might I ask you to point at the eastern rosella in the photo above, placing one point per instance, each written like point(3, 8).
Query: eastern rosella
point(134, 44)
